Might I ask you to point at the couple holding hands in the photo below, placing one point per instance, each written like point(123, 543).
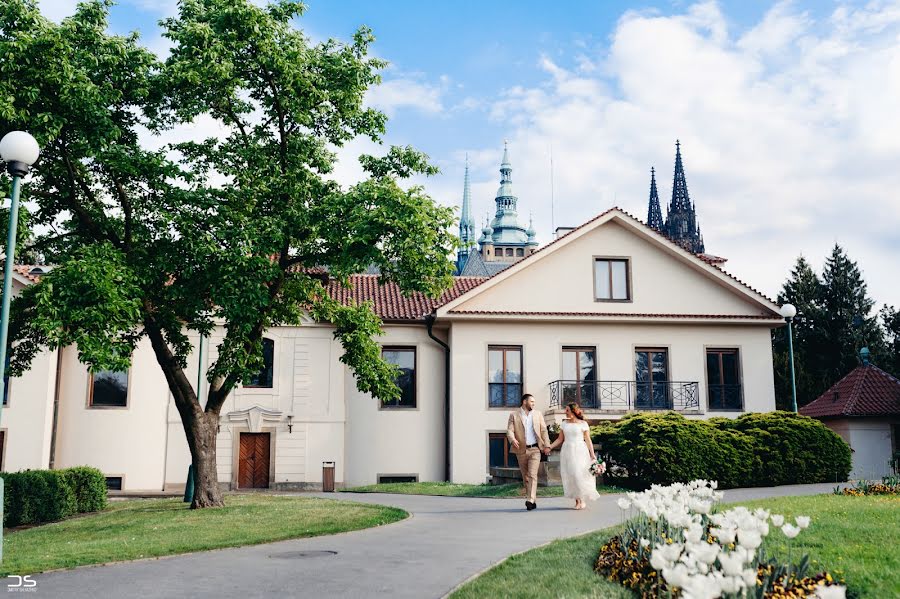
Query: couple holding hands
point(528, 438)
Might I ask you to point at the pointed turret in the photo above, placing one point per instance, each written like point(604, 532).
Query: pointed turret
point(654, 212)
point(681, 220)
point(506, 225)
point(467, 235)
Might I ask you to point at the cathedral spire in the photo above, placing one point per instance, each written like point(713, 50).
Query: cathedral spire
point(467, 236)
point(654, 212)
point(680, 198)
point(681, 220)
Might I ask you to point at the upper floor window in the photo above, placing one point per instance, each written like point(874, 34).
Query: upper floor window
point(723, 379)
point(611, 279)
point(504, 377)
point(108, 389)
point(6, 382)
point(404, 358)
point(520, 252)
point(265, 376)
point(509, 252)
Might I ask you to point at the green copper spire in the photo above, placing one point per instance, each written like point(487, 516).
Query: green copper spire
point(506, 225)
point(467, 235)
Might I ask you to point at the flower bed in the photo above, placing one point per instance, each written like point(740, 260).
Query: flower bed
point(889, 485)
point(677, 545)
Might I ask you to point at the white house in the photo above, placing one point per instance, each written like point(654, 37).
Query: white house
point(612, 314)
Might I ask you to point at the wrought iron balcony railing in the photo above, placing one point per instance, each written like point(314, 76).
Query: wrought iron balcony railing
point(624, 396)
point(726, 397)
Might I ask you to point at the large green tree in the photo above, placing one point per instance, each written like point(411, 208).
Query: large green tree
point(231, 229)
point(890, 322)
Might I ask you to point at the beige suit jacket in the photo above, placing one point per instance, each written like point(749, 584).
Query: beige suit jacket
point(515, 429)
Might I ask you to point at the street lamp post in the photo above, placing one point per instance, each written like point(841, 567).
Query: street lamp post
point(19, 151)
point(788, 311)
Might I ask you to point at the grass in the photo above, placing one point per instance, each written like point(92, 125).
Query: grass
point(854, 538)
point(142, 528)
point(461, 490)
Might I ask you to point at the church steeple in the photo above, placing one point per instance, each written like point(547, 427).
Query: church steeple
point(654, 213)
point(681, 220)
point(467, 235)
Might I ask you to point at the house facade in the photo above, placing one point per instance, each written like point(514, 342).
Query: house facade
point(613, 315)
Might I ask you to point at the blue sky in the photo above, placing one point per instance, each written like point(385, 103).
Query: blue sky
point(787, 112)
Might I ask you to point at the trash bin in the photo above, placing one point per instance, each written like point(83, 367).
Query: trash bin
point(328, 477)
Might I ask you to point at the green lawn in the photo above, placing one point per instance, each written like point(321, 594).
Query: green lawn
point(460, 490)
point(141, 528)
point(855, 538)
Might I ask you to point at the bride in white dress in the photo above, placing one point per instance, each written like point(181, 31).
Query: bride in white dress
point(576, 457)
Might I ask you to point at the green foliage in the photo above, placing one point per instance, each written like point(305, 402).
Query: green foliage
point(834, 321)
point(89, 486)
point(162, 241)
point(890, 323)
point(769, 449)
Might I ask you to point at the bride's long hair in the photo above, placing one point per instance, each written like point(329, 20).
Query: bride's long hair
point(576, 410)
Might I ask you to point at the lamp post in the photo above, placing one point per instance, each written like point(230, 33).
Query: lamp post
point(19, 151)
point(788, 311)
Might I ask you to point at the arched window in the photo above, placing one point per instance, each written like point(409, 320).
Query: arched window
point(520, 252)
point(265, 376)
point(509, 252)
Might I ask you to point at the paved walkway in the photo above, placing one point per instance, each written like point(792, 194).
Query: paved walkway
point(446, 541)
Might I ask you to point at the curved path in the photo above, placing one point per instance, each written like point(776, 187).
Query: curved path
point(446, 541)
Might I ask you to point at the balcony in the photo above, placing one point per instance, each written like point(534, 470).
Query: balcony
point(627, 396)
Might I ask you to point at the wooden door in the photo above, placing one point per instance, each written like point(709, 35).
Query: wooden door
point(253, 463)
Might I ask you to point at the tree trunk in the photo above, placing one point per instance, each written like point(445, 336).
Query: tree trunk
point(200, 426)
point(201, 431)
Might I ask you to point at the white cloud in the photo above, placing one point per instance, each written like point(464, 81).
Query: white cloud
point(404, 92)
point(789, 132)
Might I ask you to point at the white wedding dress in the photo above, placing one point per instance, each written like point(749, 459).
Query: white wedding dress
point(575, 463)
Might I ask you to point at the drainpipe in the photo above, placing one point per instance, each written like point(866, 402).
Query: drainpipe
point(59, 360)
point(429, 323)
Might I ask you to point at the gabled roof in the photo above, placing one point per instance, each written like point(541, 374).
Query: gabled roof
point(705, 263)
point(866, 391)
point(388, 301)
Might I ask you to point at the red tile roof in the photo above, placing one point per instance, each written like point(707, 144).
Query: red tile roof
point(620, 314)
point(389, 302)
point(866, 391)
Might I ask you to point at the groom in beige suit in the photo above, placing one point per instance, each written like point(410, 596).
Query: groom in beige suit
point(527, 435)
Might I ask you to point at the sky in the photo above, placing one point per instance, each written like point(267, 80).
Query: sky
point(788, 113)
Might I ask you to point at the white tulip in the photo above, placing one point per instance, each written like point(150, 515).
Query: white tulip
point(832, 592)
point(725, 535)
point(777, 519)
point(670, 552)
point(705, 552)
point(790, 531)
point(749, 576)
point(623, 504)
point(645, 543)
point(802, 521)
point(732, 563)
point(658, 561)
point(749, 539)
point(693, 534)
point(676, 576)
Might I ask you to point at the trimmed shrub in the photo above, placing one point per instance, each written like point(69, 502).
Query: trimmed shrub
point(89, 485)
point(753, 450)
point(38, 496)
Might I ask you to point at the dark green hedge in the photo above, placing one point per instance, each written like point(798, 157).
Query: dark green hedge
point(37, 496)
point(753, 450)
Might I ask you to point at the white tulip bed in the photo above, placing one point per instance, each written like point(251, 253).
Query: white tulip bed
point(677, 544)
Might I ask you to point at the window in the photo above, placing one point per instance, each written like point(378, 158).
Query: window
point(509, 252)
point(651, 374)
point(6, 382)
point(723, 379)
point(265, 376)
point(499, 453)
point(2, 448)
point(398, 478)
point(611, 280)
point(404, 358)
point(504, 377)
point(109, 389)
point(520, 252)
point(579, 376)
point(113, 483)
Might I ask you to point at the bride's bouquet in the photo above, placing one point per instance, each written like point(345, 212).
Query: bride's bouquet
point(598, 468)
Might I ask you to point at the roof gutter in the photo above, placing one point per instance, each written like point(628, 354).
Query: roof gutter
point(429, 323)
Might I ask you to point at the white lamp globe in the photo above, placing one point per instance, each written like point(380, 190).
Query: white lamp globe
point(788, 311)
point(19, 146)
